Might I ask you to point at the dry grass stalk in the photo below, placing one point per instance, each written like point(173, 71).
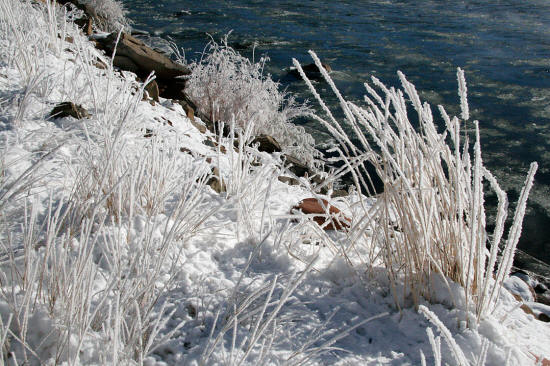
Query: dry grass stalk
point(431, 215)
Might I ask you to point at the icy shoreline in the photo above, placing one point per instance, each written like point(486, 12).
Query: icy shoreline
point(115, 250)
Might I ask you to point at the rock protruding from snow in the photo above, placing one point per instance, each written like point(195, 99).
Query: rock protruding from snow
point(267, 144)
point(339, 193)
point(216, 182)
point(288, 180)
point(327, 216)
point(86, 24)
point(140, 58)
point(69, 109)
point(301, 170)
point(296, 166)
point(152, 90)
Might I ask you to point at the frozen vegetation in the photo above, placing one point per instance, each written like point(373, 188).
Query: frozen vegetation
point(228, 87)
point(115, 250)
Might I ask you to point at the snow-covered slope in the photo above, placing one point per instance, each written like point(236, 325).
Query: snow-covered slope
point(115, 250)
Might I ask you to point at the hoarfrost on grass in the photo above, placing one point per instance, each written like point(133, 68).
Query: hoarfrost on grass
point(229, 87)
point(112, 14)
point(114, 250)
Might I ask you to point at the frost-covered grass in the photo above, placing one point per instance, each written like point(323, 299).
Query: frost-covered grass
point(87, 236)
point(431, 216)
point(115, 251)
point(111, 14)
point(227, 86)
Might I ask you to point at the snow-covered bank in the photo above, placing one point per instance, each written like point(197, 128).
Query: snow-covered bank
point(115, 250)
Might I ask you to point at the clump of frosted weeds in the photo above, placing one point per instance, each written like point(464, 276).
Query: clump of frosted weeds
point(430, 217)
point(111, 14)
point(227, 86)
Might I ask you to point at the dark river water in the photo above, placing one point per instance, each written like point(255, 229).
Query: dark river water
point(503, 46)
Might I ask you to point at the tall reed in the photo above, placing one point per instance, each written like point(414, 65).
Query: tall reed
point(430, 216)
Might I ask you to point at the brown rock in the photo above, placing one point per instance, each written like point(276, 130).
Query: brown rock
point(339, 193)
point(288, 180)
point(526, 309)
point(191, 115)
point(296, 166)
point(214, 127)
point(69, 109)
point(198, 126)
point(543, 298)
point(214, 144)
point(153, 90)
point(86, 24)
point(301, 170)
point(337, 221)
point(89, 29)
point(145, 58)
point(148, 133)
point(189, 109)
point(267, 144)
point(216, 182)
point(96, 43)
point(100, 64)
point(189, 105)
point(191, 310)
point(125, 63)
point(210, 143)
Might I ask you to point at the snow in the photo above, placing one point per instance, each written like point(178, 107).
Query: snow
point(165, 255)
point(516, 285)
point(539, 308)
